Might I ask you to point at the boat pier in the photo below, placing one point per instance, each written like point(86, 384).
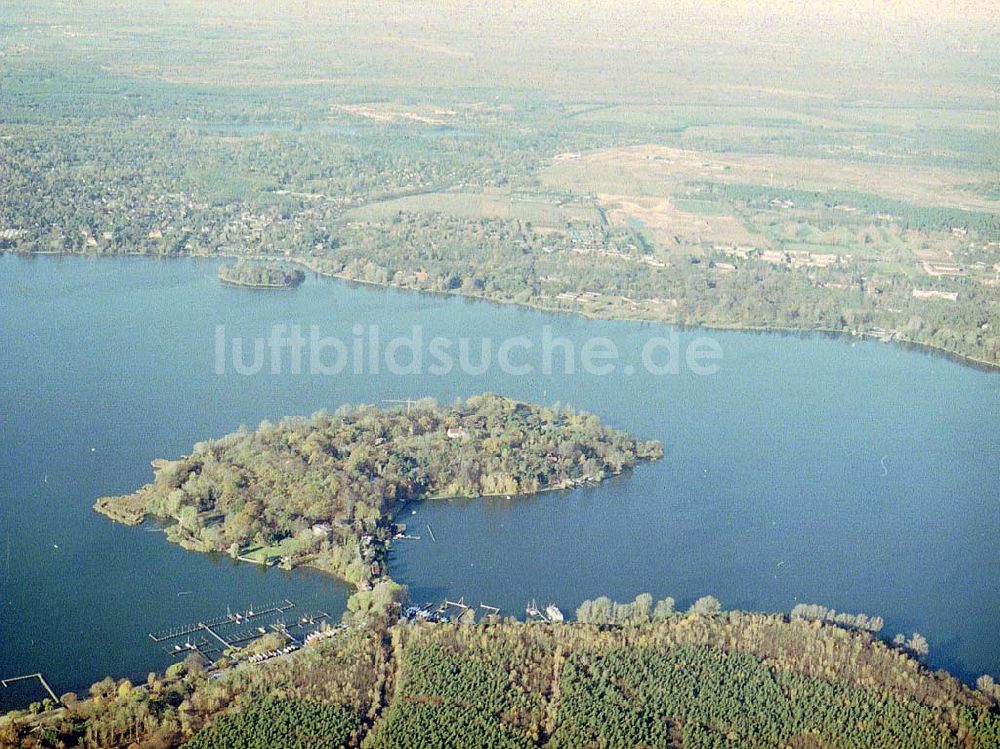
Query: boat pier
point(282, 630)
point(225, 643)
point(534, 614)
point(446, 605)
point(551, 614)
point(229, 618)
point(41, 680)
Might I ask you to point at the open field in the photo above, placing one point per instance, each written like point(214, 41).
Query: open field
point(658, 170)
point(672, 227)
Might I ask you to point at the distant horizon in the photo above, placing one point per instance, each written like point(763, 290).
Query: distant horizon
point(641, 51)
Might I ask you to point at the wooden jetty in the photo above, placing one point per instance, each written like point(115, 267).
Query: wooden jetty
point(263, 562)
point(200, 646)
point(225, 643)
point(229, 618)
point(446, 605)
point(281, 629)
point(245, 636)
point(41, 680)
point(315, 617)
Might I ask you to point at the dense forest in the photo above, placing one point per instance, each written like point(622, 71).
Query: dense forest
point(657, 678)
point(243, 273)
point(321, 490)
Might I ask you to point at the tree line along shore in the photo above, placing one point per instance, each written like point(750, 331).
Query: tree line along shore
point(699, 679)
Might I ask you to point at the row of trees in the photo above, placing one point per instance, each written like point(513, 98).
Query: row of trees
point(816, 612)
point(642, 610)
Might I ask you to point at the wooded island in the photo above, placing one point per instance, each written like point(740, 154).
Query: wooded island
point(260, 276)
point(322, 490)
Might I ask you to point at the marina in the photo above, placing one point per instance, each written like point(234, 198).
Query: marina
point(211, 638)
point(229, 618)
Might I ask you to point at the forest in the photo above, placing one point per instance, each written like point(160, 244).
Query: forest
point(657, 677)
point(322, 490)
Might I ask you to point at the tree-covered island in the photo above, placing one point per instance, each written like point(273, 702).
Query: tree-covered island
point(260, 276)
point(322, 490)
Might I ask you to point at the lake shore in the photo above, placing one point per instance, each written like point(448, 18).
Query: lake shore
point(311, 265)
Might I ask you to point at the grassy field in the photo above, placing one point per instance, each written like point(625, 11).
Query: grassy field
point(270, 554)
point(473, 205)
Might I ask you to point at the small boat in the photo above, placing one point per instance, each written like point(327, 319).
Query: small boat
point(553, 612)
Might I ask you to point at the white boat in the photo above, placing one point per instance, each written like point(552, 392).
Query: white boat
point(553, 612)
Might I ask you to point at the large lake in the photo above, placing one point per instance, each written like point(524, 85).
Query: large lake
point(858, 475)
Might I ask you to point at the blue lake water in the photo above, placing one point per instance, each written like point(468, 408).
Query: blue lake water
point(857, 475)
